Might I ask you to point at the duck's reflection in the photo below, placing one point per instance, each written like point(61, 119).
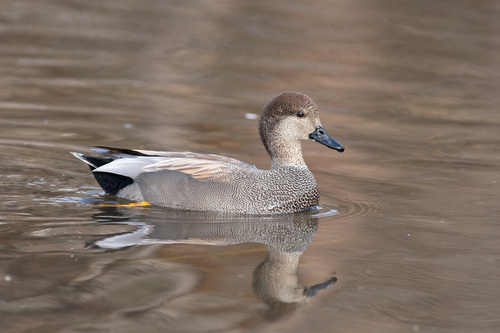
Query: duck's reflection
point(275, 280)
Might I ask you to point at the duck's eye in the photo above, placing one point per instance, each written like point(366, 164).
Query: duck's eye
point(300, 114)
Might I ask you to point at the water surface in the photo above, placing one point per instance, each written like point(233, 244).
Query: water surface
point(409, 224)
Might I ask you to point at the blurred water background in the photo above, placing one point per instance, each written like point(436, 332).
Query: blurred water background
point(409, 224)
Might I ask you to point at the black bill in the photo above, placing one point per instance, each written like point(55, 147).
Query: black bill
point(320, 135)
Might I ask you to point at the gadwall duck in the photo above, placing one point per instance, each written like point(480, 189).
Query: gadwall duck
point(207, 182)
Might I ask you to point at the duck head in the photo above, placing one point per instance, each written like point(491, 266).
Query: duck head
point(286, 120)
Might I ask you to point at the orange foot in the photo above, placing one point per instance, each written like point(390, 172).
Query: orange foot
point(132, 205)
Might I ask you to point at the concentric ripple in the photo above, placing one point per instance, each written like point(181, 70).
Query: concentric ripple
point(355, 206)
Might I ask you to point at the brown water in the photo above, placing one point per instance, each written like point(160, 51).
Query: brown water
point(410, 218)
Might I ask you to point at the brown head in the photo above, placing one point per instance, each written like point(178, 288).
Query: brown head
point(287, 119)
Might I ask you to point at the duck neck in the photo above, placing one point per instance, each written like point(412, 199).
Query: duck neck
point(287, 154)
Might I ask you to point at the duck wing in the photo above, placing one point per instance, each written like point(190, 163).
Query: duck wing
point(198, 166)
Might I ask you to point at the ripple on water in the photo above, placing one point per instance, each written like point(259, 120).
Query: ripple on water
point(357, 205)
point(325, 212)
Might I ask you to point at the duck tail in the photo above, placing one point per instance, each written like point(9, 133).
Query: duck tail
point(93, 162)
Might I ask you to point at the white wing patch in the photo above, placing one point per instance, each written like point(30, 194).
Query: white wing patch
point(196, 168)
